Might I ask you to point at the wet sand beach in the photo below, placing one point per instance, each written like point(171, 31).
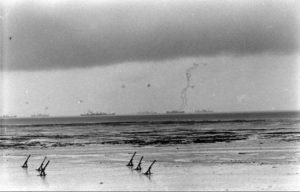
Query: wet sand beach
point(235, 166)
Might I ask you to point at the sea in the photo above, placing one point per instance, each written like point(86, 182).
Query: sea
point(148, 130)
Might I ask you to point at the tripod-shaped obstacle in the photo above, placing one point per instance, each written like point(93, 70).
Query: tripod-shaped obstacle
point(148, 172)
point(25, 163)
point(130, 164)
point(42, 172)
point(40, 167)
point(138, 168)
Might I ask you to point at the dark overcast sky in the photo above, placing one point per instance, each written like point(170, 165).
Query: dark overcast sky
point(88, 33)
point(105, 53)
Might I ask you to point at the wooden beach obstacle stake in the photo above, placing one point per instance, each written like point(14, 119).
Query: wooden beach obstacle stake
point(138, 168)
point(42, 173)
point(148, 172)
point(25, 163)
point(130, 164)
point(40, 167)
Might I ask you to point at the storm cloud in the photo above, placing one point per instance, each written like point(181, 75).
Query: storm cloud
point(69, 34)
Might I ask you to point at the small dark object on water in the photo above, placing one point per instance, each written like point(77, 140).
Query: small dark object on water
point(101, 183)
point(25, 163)
point(148, 172)
point(42, 173)
point(10, 38)
point(130, 164)
point(138, 168)
point(40, 167)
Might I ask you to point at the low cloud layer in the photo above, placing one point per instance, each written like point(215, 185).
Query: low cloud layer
point(89, 33)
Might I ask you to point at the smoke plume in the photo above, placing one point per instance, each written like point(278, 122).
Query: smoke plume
point(188, 74)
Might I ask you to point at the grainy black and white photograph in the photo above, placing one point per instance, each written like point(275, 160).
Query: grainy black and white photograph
point(149, 95)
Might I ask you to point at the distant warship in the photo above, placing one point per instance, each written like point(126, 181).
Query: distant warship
point(174, 112)
point(204, 111)
point(8, 116)
point(90, 113)
point(39, 115)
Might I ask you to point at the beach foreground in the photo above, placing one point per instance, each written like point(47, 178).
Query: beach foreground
point(238, 165)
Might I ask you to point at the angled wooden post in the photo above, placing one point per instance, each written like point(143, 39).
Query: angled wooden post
point(42, 173)
point(138, 168)
point(130, 164)
point(25, 163)
point(40, 167)
point(148, 172)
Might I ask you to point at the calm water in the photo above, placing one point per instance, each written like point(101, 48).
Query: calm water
point(142, 130)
